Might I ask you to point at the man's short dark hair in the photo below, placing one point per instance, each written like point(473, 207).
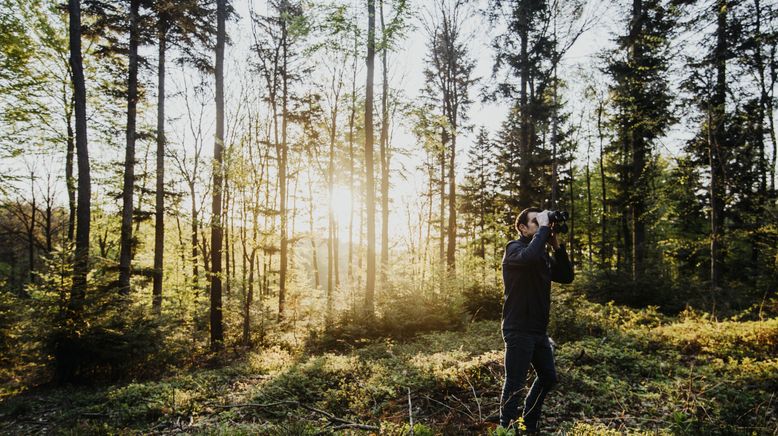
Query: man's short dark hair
point(523, 217)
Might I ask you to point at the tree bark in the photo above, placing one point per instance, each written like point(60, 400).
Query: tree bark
point(451, 230)
point(159, 224)
point(384, 152)
point(369, 176)
point(718, 106)
point(128, 189)
point(81, 258)
point(638, 146)
point(282, 163)
point(217, 332)
point(195, 270)
point(70, 180)
point(524, 139)
point(442, 211)
point(316, 279)
point(590, 214)
point(604, 199)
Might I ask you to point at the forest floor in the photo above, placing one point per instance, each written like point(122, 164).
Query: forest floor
point(621, 371)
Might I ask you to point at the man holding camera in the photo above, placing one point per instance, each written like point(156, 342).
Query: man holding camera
point(527, 272)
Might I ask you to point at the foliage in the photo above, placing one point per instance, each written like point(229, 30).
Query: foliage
point(622, 371)
point(483, 301)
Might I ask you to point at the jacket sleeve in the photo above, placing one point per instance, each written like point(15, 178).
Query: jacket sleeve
point(561, 268)
point(518, 254)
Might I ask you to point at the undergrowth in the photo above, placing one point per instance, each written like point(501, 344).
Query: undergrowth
point(622, 371)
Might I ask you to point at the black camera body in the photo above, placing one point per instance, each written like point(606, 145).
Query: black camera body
point(558, 218)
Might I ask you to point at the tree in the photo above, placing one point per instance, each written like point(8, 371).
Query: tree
point(128, 189)
point(479, 190)
point(275, 49)
point(183, 24)
point(707, 82)
point(448, 73)
point(529, 53)
point(217, 330)
point(369, 177)
point(391, 31)
point(81, 256)
point(642, 99)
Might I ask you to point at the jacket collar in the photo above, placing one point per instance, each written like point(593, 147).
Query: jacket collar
point(525, 239)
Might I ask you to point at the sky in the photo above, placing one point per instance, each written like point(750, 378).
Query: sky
point(406, 74)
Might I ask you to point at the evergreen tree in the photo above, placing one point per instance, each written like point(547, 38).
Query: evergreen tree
point(448, 81)
point(642, 114)
point(479, 191)
point(529, 53)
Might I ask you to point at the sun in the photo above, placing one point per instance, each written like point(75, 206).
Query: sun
point(341, 205)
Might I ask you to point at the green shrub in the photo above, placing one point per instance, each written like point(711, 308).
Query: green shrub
point(654, 288)
point(756, 339)
point(483, 301)
point(400, 316)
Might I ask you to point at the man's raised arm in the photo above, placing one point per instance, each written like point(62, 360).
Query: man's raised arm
point(517, 255)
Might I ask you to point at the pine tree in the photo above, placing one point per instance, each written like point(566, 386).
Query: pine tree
point(479, 191)
point(642, 99)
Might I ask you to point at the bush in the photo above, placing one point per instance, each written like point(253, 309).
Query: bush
point(755, 339)
point(653, 289)
point(483, 302)
point(400, 316)
point(123, 344)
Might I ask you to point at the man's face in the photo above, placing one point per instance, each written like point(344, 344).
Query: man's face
point(531, 228)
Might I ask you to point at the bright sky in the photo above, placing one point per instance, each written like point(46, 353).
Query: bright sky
point(406, 67)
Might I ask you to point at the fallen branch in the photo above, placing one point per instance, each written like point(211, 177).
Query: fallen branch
point(356, 426)
point(449, 407)
point(410, 411)
point(341, 422)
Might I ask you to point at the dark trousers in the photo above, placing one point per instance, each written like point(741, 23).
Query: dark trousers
point(521, 349)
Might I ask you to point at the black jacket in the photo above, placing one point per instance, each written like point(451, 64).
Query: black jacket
point(527, 272)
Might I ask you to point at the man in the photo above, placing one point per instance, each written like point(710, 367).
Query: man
point(527, 272)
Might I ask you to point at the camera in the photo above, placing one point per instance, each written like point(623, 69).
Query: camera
point(558, 218)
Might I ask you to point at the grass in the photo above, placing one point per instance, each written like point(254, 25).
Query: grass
point(621, 371)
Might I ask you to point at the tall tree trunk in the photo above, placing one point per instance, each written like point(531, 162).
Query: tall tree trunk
point(384, 151)
point(604, 200)
point(48, 219)
point(638, 146)
point(195, 271)
point(369, 166)
point(81, 258)
point(31, 230)
point(589, 212)
point(524, 139)
point(554, 127)
point(125, 254)
point(226, 231)
point(763, 102)
point(331, 237)
point(625, 255)
point(70, 180)
point(282, 163)
point(352, 189)
point(159, 218)
point(452, 203)
point(249, 300)
point(715, 148)
point(572, 215)
point(442, 211)
point(217, 331)
point(316, 279)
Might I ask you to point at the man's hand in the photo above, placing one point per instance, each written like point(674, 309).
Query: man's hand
point(542, 218)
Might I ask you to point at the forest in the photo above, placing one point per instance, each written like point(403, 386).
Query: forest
point(289, 217)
